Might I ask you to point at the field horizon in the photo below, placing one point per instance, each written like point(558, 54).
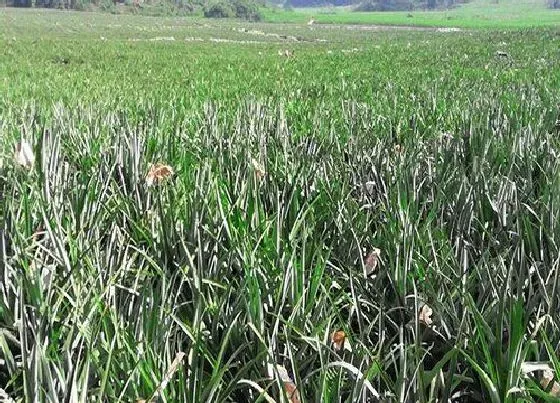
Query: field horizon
point(476, 14)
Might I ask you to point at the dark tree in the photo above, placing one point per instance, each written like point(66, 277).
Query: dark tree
point(22, 3)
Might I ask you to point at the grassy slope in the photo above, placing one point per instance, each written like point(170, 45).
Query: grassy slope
point(477, 14)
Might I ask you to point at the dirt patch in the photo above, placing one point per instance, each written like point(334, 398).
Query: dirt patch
point(284, 37)
point(368, 27)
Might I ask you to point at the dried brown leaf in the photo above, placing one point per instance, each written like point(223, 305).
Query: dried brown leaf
point(372, 261)
point(546, 379)
point(157, 173)
point(339, 341)
point(425, 315)
point(292, 392)
point(289, 386)
point(286, 53)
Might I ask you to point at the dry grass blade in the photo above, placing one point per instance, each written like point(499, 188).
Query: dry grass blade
point(286, 53)
point(357, 373)
point(530, 367)
point(259, 168)
point(23, 154)
point(289, 386)
point(4, 397)
point(168, 375)
point(257, 387)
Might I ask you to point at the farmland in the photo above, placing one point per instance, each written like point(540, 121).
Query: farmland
point(485, 14)
point(399, 185)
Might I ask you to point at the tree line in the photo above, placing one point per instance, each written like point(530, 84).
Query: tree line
point(245, 9)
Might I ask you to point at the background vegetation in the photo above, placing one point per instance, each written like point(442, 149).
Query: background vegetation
point(474, 14)
point(431, 12)
point(297, 151)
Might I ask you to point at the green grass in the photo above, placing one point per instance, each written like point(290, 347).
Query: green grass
point(476, 14)
point(426, 145)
